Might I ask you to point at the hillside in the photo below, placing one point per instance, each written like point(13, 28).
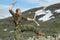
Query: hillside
point(47, 27)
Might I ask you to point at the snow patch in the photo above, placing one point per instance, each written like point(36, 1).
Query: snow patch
point(46, 17)
point(58, 11)
point(4, 29)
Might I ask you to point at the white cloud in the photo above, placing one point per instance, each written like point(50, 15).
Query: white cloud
point(42, 2)
point(47, 2)
point(53, 1)
point(4, 11)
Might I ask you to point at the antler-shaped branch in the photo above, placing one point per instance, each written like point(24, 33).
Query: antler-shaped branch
point(35, 20)
point(14, 3)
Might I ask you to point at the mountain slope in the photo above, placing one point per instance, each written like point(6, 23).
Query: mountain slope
point(47, 27)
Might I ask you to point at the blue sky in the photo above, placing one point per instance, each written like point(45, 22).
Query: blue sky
point(23, 5)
